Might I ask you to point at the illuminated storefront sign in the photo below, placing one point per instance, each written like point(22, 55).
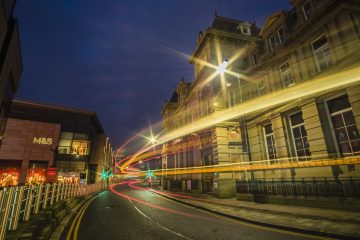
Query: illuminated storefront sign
point(42, 141)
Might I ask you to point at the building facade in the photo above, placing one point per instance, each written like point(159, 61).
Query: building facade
point(309, 44)
point(10, 60)
point(46, 143)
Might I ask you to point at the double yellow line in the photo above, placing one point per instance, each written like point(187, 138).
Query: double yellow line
point(74, 228)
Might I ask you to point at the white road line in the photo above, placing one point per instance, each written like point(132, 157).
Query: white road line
point(169, 230)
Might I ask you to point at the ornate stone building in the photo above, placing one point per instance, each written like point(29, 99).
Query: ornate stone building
point(297, 50)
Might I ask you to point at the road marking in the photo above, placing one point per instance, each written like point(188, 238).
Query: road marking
point(158, 224)
point(77, 220)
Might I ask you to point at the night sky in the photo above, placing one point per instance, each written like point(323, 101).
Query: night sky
point(113, 57)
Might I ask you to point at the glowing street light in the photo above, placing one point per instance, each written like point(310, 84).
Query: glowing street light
point(222, 67)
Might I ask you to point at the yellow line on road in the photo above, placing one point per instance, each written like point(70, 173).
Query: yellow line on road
point(77, 220)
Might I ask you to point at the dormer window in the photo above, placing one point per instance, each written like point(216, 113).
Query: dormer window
point(272, 42)
point(281, 34)
point(307, 10)
point(244, 28)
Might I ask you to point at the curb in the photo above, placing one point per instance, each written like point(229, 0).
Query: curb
point(281, 227)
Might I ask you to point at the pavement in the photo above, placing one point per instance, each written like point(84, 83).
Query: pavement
point(323, 222)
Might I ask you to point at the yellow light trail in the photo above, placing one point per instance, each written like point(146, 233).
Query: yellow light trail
point(255, 166)
point(305, 90)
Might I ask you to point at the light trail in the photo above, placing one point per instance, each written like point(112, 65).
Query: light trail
point(254, 166)
point(308, 89)
point(152, 205)
point(297, 92)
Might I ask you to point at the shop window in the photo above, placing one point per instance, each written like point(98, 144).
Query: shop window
point(345, 129)
point(321, 52)
point(270, 143)
point(36, 173)
point(286, 74)
point(307, 10)
point(74, 143)
point(299, 135)
point(9, 177)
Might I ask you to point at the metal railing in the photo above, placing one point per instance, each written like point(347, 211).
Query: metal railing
point(313, 187)
point(19, 203)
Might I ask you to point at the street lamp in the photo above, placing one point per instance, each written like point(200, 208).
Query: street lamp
point(222, 67)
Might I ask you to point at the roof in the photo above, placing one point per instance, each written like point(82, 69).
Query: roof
point(24, 109)
point(225, 27)
point(272, 19)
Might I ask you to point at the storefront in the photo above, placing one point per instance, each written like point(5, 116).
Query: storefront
point(52, 144)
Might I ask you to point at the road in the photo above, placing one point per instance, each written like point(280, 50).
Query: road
point(127, 212)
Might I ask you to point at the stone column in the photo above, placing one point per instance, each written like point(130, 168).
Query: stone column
point(224, 184)
point(314, 131)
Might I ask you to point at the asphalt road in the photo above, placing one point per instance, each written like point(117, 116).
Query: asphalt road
point(140, 214)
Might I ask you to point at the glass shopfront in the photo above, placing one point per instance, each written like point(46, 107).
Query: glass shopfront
point(36, 173)
point(72, 177)
point(74, 144)
point(9, 177)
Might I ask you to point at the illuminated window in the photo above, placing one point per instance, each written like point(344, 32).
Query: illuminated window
point(74, 143)
point(286, 74)
point(321, 52)
point(343, 121)
point(299, 134)
point(269, 142)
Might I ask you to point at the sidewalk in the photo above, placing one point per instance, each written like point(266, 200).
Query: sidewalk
point(326, 222)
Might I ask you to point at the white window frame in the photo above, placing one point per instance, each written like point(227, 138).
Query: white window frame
point(321, 49)
point(330, 115)
point(293, 137)
point(303, 10)
point(273, 140)
point(287, 73)
point(278, 33)
point(245, 28)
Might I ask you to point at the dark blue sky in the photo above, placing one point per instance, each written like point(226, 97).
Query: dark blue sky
point(110, 56)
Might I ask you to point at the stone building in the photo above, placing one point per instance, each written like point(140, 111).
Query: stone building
point(296, 50)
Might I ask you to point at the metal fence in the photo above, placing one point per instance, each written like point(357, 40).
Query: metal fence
point(19, 203)
point(315, 187)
